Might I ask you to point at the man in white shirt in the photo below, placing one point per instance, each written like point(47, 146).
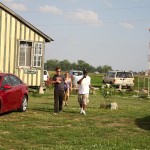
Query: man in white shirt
point(84, 85)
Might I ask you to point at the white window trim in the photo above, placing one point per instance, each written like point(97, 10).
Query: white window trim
point(37, 55)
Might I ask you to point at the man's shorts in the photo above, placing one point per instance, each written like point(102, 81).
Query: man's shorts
point(83, 99)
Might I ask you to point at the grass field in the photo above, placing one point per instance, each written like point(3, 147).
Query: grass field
point(127, 128)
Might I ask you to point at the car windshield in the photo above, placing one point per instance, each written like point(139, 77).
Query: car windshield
point(77, 73)
point(124, 75)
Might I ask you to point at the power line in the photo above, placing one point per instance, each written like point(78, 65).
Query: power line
point(96, 10)
point(98, 23)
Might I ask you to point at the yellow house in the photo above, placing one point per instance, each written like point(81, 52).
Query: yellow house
point(22, 47)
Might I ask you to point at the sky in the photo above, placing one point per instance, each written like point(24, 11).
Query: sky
point(99, 32)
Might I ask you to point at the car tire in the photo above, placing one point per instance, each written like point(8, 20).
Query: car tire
point(24, 104)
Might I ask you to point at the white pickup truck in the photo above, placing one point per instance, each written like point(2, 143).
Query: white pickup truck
point(46, 79)
point(45, 76)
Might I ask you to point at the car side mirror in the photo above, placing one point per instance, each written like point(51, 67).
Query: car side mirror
point(7, 86)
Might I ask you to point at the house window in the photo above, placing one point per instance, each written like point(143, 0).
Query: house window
point(37, 55)
point(25, 53)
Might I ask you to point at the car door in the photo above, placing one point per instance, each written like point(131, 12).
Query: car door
point(17, 91)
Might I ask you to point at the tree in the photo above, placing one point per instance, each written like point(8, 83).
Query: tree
point(65, 65)
point(51, 64)
point(99, 69)
point(80, 65)
point(106, 68)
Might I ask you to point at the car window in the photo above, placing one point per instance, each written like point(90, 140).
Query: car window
point(77, 73)
point(45, 73)
point(6, 80)
point(112, 74)
point(124, 75)
point(129, 75)
point(109, 74)
point(14, 80)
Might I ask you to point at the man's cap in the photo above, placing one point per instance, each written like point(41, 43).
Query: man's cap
point(85, 70)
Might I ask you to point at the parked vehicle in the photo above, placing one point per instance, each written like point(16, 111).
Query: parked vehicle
point(119, 78)
point(13, 93)
point(46, 76)
point(46, 79)
point(75, 76)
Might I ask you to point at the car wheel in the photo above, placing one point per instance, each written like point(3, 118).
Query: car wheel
point(24, 104)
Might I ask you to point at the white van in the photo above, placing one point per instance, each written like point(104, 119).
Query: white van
point(75, 76)
point(119, 78)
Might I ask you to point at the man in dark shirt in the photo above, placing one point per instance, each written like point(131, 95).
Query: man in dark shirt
point(58, 82)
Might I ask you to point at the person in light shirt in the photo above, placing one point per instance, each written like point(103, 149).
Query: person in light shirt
point(84, 85)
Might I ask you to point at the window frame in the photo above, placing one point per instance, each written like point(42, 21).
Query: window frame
point(37, 54)
point(26, 45)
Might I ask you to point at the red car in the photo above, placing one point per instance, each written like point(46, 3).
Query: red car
point(13, 93)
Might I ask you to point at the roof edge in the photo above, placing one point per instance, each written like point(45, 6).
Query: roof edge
point(46, 37)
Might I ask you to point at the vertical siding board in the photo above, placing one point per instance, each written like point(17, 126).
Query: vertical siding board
point(12, 46)
point(10, 40)
point(3, 20)
point(17, 28)
point(7, 42)
point(19, 37)
point(5, 38)
point(15, 46)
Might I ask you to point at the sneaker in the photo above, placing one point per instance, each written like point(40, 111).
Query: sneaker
point(55, 113)
point(83, 112)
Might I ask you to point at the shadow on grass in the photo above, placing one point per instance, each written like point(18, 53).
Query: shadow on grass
point(73, 111)
point(6, 113)
point(143, 123)
point(43, 109)
point(9, 112)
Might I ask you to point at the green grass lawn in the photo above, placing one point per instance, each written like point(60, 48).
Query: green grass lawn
point(101, 129)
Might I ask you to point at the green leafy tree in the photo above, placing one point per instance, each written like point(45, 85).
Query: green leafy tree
point(106, 68)
point(80, 65)
point(51, 64)
point(99, 69)
point(65, 65)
